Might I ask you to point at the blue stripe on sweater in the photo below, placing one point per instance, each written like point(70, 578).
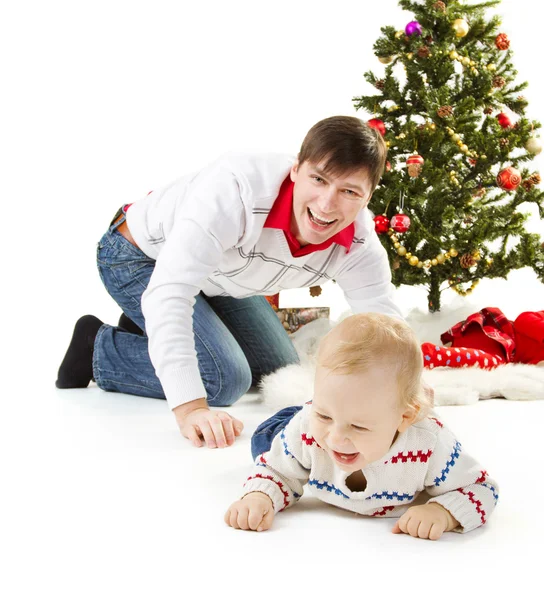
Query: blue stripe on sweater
point(454, 455)
point(391, 496)
point(327, 486)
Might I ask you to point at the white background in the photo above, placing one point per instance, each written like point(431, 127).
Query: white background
point(102, 102)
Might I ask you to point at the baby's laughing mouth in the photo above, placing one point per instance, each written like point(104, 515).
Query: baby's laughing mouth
point(345, 459)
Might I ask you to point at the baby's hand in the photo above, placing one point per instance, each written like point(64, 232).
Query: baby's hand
point(254, 511)
point(428, 521)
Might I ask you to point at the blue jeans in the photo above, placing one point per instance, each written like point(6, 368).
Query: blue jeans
point(237, 340)
point(261, 440)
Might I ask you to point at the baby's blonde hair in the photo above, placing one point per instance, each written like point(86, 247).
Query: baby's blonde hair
point(367, 340)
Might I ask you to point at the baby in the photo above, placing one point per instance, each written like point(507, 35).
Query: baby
point(367, 442)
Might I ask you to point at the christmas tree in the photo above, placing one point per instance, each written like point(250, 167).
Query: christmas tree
point(449, 206)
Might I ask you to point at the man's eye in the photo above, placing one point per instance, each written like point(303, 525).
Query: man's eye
point(350, 192)
point(317, 179)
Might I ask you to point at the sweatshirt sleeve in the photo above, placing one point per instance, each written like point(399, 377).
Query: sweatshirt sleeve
point(282, 472)
point(366, 280)
point(211, 220)
point(457, 482)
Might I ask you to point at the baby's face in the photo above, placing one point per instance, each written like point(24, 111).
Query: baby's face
point(355, 417)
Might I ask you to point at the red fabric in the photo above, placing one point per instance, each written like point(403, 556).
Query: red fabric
point(488, 330)
point(529, 328)
point(488, 339)
point(440, 356)
point(280, 218)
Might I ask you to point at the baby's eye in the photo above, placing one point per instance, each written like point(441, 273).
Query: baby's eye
point(324, 417)
point(359, 428)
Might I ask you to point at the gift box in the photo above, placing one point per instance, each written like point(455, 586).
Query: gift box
point(293, 319)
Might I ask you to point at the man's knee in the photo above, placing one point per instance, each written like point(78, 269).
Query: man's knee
point(232, 381)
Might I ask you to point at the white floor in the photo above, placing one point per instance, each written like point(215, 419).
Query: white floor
point(102, 498)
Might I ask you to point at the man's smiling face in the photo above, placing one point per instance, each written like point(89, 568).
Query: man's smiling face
point(325, 204)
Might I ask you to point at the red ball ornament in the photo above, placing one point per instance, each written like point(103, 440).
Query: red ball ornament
point(381, 224)
point(377, 124)
point(388, 164)
point(509, 179)
point(414, 164)
point(502, 42)
point(400, 223)
point(504, 120)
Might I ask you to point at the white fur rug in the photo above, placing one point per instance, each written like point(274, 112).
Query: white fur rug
point(293, 385)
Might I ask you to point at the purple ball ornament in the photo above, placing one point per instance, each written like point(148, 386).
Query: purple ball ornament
point(413, 28)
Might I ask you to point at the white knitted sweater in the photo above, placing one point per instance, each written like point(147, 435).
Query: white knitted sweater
point(206, 233)
point(424, 461)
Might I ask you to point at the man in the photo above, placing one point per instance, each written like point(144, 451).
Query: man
point(190, 265)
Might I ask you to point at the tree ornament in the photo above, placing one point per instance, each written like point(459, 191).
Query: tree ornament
point(439, 6)
point(502, 42)
point(400, 223)
point(535, 178)
point(504, 120)
point(380, 84)
point(381, 224)
point(388, 166)
point(460, 26)
point(385, 60)
point(503, 142)
point(377, 124)
point(509, 179)
point(488, 110)
point(498, 81)
point(315, 290)
point(396, 264)
point(444, 112)
point(414, 164)
point(467, 261)
point(533, 145)
point(423, 52)
point(413, 28)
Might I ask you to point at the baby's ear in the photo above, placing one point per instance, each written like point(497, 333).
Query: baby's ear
point(409, 417)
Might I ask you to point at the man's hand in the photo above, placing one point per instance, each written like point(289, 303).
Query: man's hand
point(254, 511)
point(215, 429)
point(428, 521)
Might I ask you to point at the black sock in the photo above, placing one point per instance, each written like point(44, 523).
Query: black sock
point(129, 325)
point(76, 370)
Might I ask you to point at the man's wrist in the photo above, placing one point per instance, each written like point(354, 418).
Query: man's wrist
point(183, 410)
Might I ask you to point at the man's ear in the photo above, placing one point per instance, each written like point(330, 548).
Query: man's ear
point(409, 417)
point(294, 171)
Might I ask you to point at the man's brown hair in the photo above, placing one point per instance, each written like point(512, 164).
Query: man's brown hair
point(345, 144)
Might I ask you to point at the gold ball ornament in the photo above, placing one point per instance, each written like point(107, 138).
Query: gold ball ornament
point(460, 26)
point(401, 251)
point(533, 145)
point(385, 60)
point(453, 252)
point(414, 260)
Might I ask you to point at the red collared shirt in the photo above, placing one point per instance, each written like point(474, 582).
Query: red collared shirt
point(280, 218)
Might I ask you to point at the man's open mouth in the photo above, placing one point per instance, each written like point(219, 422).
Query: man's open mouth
point(320, 221)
